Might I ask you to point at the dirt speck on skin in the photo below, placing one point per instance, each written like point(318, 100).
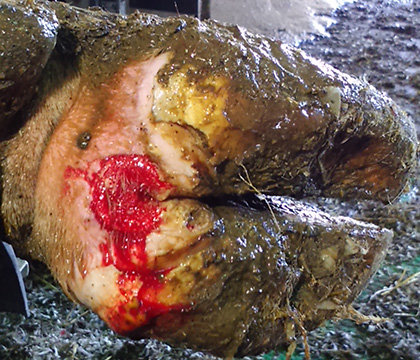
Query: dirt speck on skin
point(375, 39)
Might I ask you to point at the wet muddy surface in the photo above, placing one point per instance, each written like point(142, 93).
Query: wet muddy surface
point(378, 40)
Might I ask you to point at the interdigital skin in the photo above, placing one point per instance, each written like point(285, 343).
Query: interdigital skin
point(131, 147)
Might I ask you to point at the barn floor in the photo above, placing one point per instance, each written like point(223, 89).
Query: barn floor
point(375, 39)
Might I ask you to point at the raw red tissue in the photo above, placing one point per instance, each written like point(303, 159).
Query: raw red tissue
point(123, 201)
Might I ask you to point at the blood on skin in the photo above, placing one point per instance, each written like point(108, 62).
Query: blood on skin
point(123, 193)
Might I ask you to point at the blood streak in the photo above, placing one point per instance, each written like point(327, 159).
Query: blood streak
point(123, 193)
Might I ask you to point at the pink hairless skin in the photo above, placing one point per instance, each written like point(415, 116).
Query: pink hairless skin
point(118, 199)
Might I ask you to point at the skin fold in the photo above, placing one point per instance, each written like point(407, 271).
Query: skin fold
point(131, 162)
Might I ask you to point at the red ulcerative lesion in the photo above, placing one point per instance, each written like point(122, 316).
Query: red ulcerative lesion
point(124, 192)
